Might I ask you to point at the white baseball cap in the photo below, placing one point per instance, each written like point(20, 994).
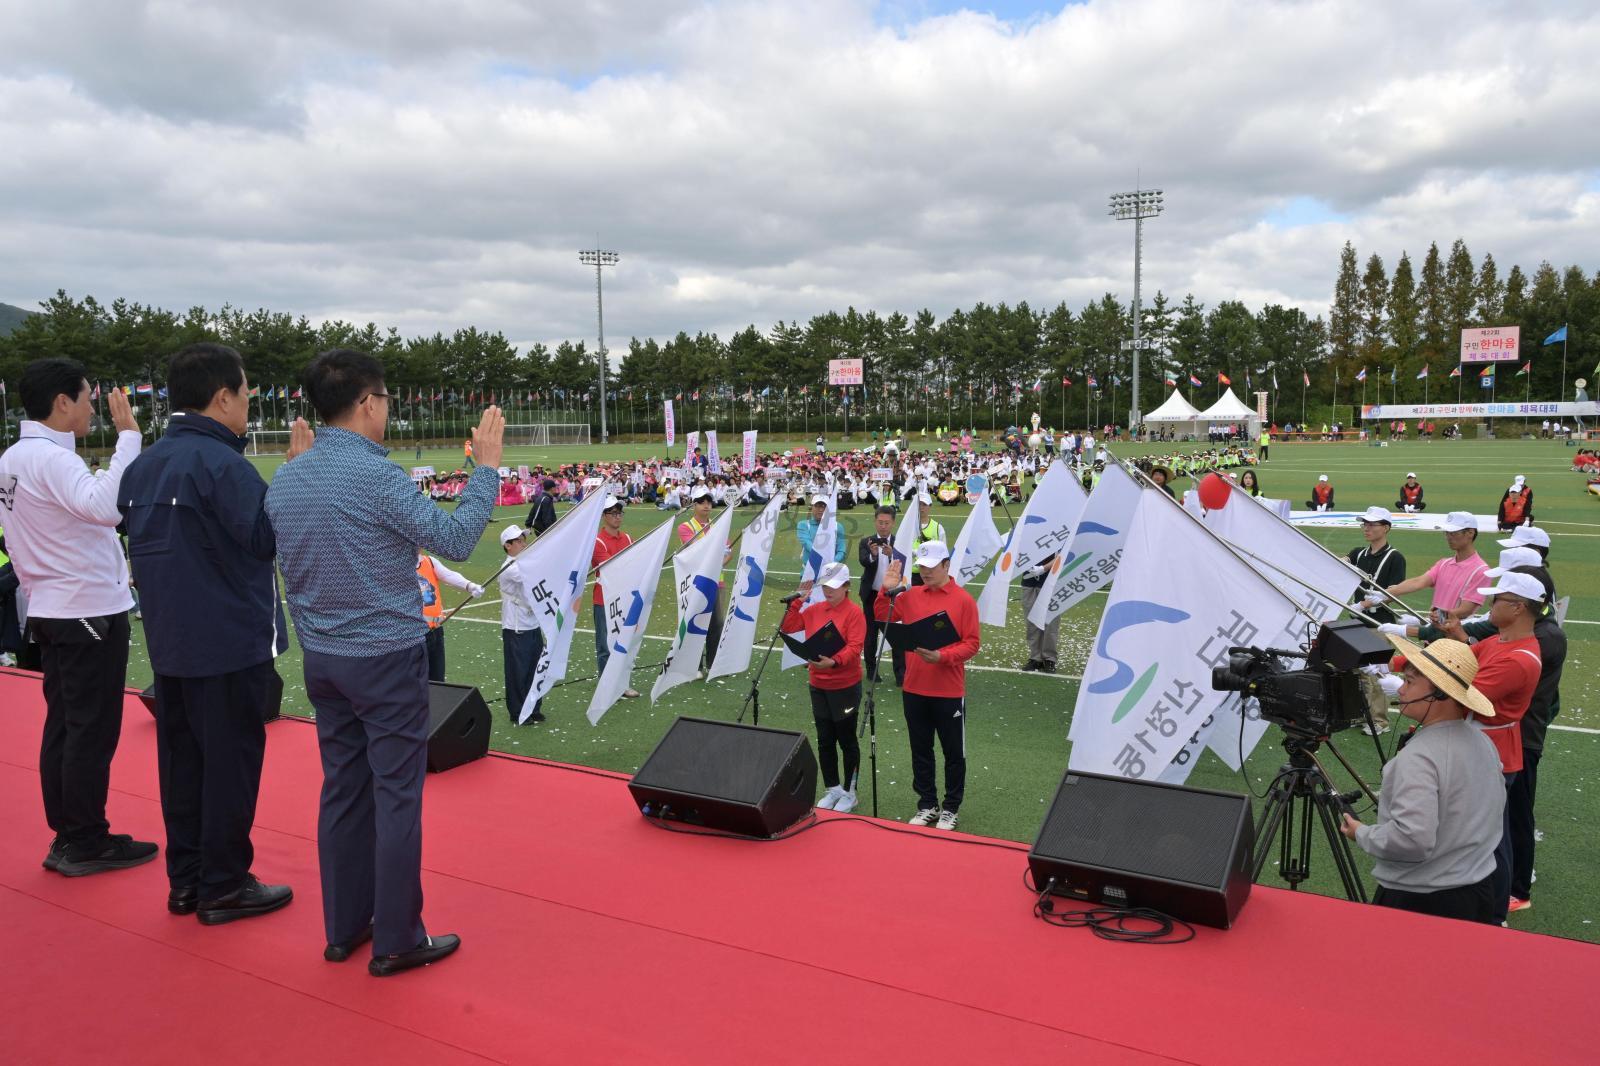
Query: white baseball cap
point(1525, 585)
point(932, 553)
point(1377, 514)
point(834, 575)
point(511, 533)
point(1322, 477)
point(1511, 558)
point(1457, 521)
point(698, 492)
point(611, 501)
point(1411, 475)
point(1523, 536)
point(819, 498)
point(924, 498)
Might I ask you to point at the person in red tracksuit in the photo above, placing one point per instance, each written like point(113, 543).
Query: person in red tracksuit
point(835, 681)
point(935, 690)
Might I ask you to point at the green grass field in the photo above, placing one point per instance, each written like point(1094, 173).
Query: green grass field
point(1018, 722)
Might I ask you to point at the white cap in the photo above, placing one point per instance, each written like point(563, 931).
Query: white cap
point(932, 553)
point(819, 498)
point(698, 492)
point(611, 501)
point(834, 575)
point(924, 498)
point(1377, 514)
point(1525, 585)
point(1512, 558)
point(1322, 477)
point(1523, 536)
point(511, 533)
point(1457, 521)
point(1411, 475)
point(1519, 479)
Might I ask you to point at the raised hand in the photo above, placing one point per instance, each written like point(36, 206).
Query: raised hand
point(804, 588)
point(301, 438)
point(121, 412)
point(891, 580)
point(488, 440)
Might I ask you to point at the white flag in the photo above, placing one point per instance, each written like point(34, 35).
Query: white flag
point(903, 547)
point(671, 424)
point(744, 602)
point(691, 444)
point(695, 570)
point(748, 464)
point(629, 581)
point(977, 543)
point(1180, 602)
point(1089, 561)
point(820, 555)
point(713, 457)
point(1044, 526)
point(554, 570)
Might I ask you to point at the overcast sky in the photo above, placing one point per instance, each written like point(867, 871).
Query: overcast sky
point(433, 166)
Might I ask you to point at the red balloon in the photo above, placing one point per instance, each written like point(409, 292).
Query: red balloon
point(1214, 492)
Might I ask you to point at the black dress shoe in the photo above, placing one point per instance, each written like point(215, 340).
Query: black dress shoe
point(117, 852)
point(183, 900)
point(341, 952)
point(1030, 665)
point(1047, 668)
point(247, 901)
point(432, 949)
point(53, 858)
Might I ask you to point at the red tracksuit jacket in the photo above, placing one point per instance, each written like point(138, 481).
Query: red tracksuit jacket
point(948, 676)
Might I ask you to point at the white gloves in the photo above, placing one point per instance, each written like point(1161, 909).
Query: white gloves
point(1410, 620)
point(1370, 602)
point(1394, 628)
point(1390, 683)
point(474, 590)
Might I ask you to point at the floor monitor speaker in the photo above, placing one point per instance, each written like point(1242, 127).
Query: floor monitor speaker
point(742, 779)
point(458, 726)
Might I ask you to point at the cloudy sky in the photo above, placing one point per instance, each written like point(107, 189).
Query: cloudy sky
point(437, 165)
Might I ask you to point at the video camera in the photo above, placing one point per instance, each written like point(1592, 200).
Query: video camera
point(1318, 700)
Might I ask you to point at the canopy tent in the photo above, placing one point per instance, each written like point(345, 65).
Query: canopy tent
point(1177, 414)
point(1229, 408)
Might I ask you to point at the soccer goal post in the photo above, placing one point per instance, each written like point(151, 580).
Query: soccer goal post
point(268, 441)
point(545, 434)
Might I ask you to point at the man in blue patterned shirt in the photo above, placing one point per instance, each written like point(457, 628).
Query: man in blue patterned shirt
point(348, 524)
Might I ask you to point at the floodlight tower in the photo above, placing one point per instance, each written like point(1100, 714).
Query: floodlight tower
point(600, 259)
point(1137, 205)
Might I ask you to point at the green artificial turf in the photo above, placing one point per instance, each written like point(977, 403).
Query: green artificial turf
point(1017, 723)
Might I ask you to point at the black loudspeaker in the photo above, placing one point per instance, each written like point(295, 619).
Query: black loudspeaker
point(458, 726)
point(272, 710)
point(1121, 843)
point(742, 779)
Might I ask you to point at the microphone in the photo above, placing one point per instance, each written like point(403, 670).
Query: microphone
point(892, 593)
point(792, 597)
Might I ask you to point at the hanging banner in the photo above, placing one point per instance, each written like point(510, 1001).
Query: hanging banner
point(747, 462)
point(629, 582)
point(845, 371)
point(672, 425)
point(695, 570)
point(691, 445)
point(553, 571)
point(1391, 411)
point(1491, 344)
point(713, 457)
point(744, 602)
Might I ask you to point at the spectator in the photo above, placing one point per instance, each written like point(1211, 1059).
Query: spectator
point(1516, 505)
point(1454, 579)
point(1410, 500)
point(1321, 495)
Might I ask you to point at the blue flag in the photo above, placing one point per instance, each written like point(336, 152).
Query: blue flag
point(1558, 335)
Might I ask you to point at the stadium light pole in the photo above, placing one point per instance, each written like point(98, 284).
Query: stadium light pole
point(1138, 206)
point(600, 259)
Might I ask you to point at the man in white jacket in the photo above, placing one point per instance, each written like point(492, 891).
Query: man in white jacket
point(60, 525)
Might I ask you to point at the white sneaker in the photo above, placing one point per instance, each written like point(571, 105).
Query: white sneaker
point(926, 816)
point(7, 659)
point(829, 798)
point(947, 820)
point(847, 801)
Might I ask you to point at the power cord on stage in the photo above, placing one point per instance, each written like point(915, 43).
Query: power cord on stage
point(1123, 925)
point(811, 821)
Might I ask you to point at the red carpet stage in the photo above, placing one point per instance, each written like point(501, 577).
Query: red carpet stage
point(592, 936)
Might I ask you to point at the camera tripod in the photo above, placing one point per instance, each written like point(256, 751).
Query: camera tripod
point(1301, 787)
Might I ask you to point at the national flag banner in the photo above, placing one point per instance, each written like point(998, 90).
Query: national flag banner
point(1093, 384)
point(903, 546)
point(1394, 372)
point(1223, 379)
point(95, 395)
point(1423, 372)
point(1362, 376)
point(1064, 381)
point(821, 553)
point(1146, 689)
point(1172, 381)
point(1196, 382)
point(1089, 560)
point(978, 542)
point(1274, 379)
point(1557, 337)
point(554, 570)
point(671, 424)
point(1038, 384)
point(744, 601)
point(1305, 378)
point(713, 457)
point(1524, 369)
point(696, 571)
point(1487, 372)
point(628, 581)
point(1044, 526)
point(747, 461)
point(146, 390)
point(1456, 372)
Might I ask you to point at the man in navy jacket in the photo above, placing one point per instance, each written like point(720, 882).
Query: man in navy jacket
point(202, 552)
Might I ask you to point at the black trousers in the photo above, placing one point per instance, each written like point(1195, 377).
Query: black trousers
point(945, 716)
point(1468, 903)
point(85, 663)
point(522, 650)
point(870, 647)
point(372, 730)
point(1519, 815)
point(713, 632)
point(210, 740)
point(834, 711)
point(435, 646)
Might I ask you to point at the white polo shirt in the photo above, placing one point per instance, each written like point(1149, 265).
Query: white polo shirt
point(60, 523)
point(516, 608)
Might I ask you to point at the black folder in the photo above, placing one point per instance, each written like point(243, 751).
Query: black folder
point(823, 642)
point(933, 632)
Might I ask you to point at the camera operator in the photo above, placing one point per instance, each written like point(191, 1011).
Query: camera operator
point(1441, 808)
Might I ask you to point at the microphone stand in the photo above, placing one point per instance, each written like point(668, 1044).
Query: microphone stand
point(869, 719)
point(752, 699)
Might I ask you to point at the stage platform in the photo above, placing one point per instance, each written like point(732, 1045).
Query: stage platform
point(591, 936)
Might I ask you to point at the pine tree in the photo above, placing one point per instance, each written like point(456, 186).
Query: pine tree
point(1431, 302)
point(1403, 318)
point(1374, 302)
point(1460, 290)
point(1490, 293)
point(1345, 314)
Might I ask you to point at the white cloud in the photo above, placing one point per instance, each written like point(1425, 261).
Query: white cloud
point(757, 161)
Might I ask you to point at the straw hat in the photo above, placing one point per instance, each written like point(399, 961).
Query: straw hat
point(1452, 668)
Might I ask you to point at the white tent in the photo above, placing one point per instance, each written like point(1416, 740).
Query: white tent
point(1177, 414)
point(1229, 408)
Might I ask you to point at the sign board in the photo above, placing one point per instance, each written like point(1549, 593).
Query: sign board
point(1491, 344)
point(845, 371)
point(1143, 344)
point(1590, 409)
point(880, 473)
point(593, 482)
point(420, 472)
point(522, 471)
point(672, 473)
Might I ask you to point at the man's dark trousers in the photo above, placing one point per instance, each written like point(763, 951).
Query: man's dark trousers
point(944, 717)
point(435, 646)
point(1519, 813)
point(210, 740)
point(522, 650)
point(85, 663)
point(372, 728)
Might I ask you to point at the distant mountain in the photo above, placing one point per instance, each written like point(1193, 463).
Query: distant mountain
point(11, 318)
